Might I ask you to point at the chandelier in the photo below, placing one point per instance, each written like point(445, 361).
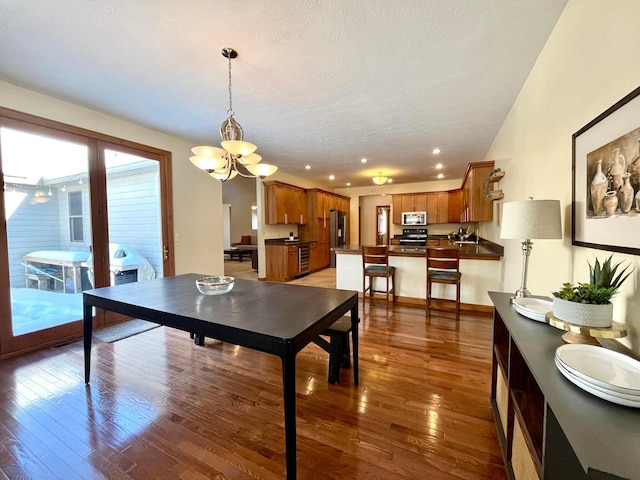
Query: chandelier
point(380, 180)
point(236, 156)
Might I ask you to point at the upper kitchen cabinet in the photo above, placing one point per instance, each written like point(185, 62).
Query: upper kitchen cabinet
point(438, 207)
point(474, 206)
point(408, 202)
point(454, 207)
point(284, 204)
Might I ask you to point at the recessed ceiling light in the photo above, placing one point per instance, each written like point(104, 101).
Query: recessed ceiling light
point(438, 166)
point(436, 151)
point(390, 180)
point(348, 184)
point(440, 175)
point(308, 167)
point(364, 160)
point(332, 177)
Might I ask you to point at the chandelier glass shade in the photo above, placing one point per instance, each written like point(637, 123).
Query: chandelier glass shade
point(236, 157)
point(380, 180)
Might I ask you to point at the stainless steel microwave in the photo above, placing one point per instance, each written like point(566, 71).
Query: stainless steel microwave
point(414, 218)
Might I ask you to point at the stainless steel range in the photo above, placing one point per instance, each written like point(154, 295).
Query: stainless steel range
point(416, 237)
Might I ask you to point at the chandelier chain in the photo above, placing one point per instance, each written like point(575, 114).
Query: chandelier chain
point(230, 111)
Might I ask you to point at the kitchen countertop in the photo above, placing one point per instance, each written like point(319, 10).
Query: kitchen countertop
point(285, 241)
point(485, 250)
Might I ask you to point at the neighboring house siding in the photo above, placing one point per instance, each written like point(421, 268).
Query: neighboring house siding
point(30, 228)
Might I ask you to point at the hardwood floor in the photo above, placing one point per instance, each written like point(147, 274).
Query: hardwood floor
point(158, 406)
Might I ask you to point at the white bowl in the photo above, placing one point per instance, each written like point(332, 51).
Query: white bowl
point(215, 285)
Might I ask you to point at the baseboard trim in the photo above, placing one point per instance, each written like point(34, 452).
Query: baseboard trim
point(440, 304)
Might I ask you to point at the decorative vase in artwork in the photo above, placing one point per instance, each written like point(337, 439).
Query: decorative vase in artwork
point(634, 170)
point(610, 202)
point(625, 195)
point(617, 169)
point(598, 190)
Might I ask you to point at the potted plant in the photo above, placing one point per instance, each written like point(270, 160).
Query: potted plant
point(589, 304)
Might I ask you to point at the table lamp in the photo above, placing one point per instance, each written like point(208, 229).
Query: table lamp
point(530, 219)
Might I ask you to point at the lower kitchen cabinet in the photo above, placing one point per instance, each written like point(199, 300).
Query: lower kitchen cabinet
point(282, 262)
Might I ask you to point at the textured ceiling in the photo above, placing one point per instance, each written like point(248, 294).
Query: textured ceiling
point(323, 83)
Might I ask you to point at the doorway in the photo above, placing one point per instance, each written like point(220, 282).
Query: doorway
point(77, 213)
point(382, 224)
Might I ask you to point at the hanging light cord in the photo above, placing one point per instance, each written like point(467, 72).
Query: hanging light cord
point(230, 111)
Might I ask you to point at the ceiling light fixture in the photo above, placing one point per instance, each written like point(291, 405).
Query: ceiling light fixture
point(236, 156)
point(307, 167)
point(438, 166)
point(440, 175)
point(332, 177)
point(380, 180)
point(364, 160)
point(436, 151)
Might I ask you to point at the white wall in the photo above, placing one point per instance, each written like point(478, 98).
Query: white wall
point(197, 198)
point(588, 64)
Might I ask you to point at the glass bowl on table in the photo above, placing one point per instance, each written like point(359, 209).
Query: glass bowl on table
point(215, 285)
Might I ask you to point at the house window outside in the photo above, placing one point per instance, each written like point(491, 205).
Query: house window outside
point(75, 217)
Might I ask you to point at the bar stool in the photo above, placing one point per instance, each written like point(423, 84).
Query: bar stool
point(375, 263)
point(443, 266)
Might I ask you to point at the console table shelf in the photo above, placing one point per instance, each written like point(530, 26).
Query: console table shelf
point(547, 427)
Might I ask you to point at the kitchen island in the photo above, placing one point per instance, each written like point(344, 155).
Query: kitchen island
point(480, 266)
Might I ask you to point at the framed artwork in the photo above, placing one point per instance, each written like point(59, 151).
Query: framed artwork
point(606, 179)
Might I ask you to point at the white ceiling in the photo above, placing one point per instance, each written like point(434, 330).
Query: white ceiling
point(324, 83)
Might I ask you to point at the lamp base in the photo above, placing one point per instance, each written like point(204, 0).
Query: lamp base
point(520, 293)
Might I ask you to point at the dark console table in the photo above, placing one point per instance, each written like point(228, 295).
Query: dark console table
point(548, 428)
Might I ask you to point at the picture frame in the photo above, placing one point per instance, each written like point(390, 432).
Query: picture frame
point(605, 206)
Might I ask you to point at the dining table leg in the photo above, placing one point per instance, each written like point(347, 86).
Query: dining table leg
point(289, 389)
point(87, 319)
point(354, 338)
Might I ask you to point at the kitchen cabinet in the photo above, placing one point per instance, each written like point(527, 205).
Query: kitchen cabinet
point(438, 207)
point(281, 262)
point(284, 204)
point(454, 206)
point(319, 205)
point(314, 259)
point(474, 206)
point(408, 202)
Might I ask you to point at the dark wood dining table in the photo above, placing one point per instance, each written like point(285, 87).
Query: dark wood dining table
point(275, 318)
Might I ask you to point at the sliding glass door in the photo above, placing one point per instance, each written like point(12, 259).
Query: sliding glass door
point(79, 213)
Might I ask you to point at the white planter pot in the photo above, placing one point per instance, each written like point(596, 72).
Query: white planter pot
point(600, 316)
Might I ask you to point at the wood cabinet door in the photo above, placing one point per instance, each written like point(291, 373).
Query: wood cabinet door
point(420, 202)
point(432, 208)
point(396, 206)
point(320, 205)
point(454, 207)
point(407, 204)
point(443, 207)
point(313, 256)
point(292, 261)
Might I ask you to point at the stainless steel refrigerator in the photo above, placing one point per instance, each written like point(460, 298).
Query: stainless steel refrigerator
point(338, 232)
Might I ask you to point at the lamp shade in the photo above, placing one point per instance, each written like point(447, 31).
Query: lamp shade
point(531, 219)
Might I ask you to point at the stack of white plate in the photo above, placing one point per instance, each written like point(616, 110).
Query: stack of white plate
point(533, 308)
point(604, 373)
